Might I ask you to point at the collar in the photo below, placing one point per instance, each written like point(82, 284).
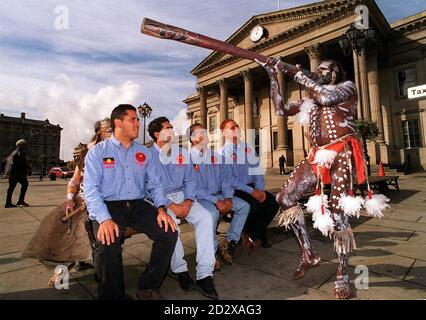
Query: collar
point(117, 142)
point(156, 147)
point(198, 152)
point(232, 145)
point(159, 150)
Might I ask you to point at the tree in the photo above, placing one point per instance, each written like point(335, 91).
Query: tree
point(368, 131)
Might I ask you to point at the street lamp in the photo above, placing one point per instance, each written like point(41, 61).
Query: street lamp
point(357, 40)
point(43, 162)
point(144, 112)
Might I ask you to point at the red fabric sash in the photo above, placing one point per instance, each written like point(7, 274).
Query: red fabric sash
point(339, 147)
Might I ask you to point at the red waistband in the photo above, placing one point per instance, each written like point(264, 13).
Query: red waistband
point(338, 147)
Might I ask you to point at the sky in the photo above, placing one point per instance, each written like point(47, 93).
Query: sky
point(74, 61)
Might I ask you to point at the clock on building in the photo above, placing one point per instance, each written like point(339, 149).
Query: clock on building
point(257, 33)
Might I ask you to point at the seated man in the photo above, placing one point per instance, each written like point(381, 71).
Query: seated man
point(215, 192)
point(249, 185)
point(119, 173)
point(177, 176)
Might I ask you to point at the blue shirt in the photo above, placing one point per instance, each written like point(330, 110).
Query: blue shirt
point(212, 175)
point(245, 166)
point(113, 173)
point(175, 171)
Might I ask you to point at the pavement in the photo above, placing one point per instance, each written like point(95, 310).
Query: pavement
point(391, 254)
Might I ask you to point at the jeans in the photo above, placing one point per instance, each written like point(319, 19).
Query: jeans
point(203, 224)
point(241, 210)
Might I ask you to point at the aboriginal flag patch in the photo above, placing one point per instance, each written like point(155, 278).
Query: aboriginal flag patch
point(108, 162)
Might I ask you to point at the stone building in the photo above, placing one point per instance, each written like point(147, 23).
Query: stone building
point(230, 87)
point(43, 138)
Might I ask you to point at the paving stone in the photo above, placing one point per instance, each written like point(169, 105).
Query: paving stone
point(417, 273)
point(381, 287)
point(283, 264)
point(13, 261)
point(392, 246)
point(381, 232)
point(31, 283)
point(14, 243)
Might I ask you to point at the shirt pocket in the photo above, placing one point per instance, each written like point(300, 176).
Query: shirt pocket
point(110, 183)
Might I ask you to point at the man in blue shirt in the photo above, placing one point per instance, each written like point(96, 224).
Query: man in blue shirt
point(119, 173)
point(180, 186)
point(249, 184)
point(215, 192)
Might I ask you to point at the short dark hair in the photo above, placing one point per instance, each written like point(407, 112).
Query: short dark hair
point(155, 126)
point(119, 112)
point(192, 128)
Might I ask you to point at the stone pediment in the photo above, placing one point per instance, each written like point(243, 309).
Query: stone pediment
point(280, 24)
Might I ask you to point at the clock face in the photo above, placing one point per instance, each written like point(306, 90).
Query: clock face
point(256, 33)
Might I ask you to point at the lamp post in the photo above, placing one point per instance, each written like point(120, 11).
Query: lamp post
point(44, 158)
point(357, 40)
point(144, 112)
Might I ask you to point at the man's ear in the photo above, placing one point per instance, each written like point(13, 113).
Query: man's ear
point(156, 135)
point(117, 123)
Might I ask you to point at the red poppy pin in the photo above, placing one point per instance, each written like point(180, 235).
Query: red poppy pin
point(140, 157)
point(180, 159)
point(196, 167)
point(234, 156)
point(248, 150)
point(214, 160)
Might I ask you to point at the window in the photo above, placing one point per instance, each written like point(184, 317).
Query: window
point(275, 138)
point(411, 133)
point(256, 107)
point(257, 142)
point(212, 124)
point(406, 79)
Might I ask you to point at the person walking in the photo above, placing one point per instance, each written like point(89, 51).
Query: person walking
point(17, 170)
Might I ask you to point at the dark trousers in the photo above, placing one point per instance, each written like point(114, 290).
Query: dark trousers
point(142, 217)
point(282, 168)
point(12, 184)
point(260, 216)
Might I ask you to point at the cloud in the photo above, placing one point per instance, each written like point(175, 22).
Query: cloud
point(77, 113)
point(180, 123)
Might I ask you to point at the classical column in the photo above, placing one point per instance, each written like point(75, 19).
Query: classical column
point(314, 54)
point(203, 105)
point(359, 112)
point(190, 116)
point(364, 86)
point(223, 108)
point(373, 81)
point(248, 102)
point(282, 120)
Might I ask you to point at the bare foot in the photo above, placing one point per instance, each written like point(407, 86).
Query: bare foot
point(342, 290)
point(309, 260)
